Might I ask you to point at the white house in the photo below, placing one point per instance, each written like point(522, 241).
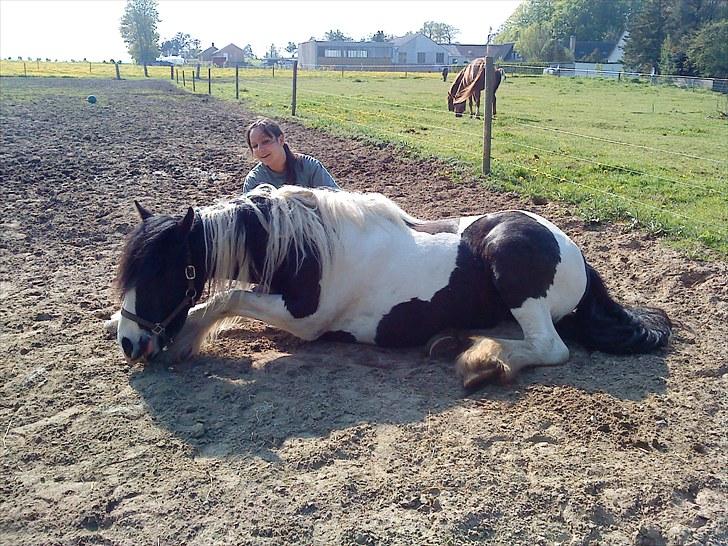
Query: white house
point(418, 52)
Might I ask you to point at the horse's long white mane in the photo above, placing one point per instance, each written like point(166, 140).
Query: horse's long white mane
point(298, 219)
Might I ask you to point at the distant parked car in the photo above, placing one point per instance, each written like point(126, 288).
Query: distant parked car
point(172, 60)
point(552, 70)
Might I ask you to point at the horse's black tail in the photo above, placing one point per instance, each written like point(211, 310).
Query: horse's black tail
point(600, 323)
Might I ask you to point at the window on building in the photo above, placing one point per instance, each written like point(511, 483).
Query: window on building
point(359, 53)
point(332, 53)
point(402, 58)
point(440, 58)
point(420, 58)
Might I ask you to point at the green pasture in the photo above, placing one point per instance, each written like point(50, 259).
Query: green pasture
point(78, 70)
point(654, 156)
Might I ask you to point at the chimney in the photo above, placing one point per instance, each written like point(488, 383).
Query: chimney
point(572, 43)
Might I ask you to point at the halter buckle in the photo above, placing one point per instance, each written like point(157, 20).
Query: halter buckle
point(190, 272)
point(158, 329)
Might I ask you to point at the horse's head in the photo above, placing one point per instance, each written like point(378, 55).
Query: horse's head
point(158, 282)
point(452, 106)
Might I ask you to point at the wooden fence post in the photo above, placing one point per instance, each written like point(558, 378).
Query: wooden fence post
point(209, 81)
point(193, 82)
point(237, 82)
point(293, 93)
point(274, 70)
point(89, 68)
point(118, 76)
point(171, 72)
point(177, 71)
point(25, 71)
point(488, 118)
point(184, 83)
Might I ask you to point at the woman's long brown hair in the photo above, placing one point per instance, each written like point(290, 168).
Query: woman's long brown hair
point(273, 130)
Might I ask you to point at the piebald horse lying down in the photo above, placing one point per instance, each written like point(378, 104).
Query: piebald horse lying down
point(343, 266)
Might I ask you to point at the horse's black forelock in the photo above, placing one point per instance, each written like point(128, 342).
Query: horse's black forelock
point(144, 249)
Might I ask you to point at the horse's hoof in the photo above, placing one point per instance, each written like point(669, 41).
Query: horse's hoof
point(446, 345)
point(475, 380)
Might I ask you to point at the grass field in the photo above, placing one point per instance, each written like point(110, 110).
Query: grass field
point(653, 155)
point(78, 70)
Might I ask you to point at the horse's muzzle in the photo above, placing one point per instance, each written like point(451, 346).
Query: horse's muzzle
point(145, 350)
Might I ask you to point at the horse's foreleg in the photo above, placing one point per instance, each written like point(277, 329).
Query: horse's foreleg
point(477, 105)
point(494, 109)
point(271, 309)
point(201, 320)
point(501, 359)
point(112, 325)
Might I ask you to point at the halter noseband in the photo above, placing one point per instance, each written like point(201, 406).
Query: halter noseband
point(160, 328)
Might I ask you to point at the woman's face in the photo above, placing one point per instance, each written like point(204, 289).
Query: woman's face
point(268, 149)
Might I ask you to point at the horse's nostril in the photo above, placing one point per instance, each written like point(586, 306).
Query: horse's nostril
point(127, 346)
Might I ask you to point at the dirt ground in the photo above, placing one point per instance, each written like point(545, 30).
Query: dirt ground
point(267, 440)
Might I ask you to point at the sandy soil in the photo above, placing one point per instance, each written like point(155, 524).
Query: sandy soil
point(267, 440)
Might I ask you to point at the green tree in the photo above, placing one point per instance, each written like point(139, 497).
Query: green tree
point(532, 41)
point(181, 44)
point(708, 49)
point(139, 31)
point(647, 32)
point(248, 51)
point(527, 14)
point(379, 36)
point(291, 48)
point(667, 57)
point(589, 20)
point(553, 51)
point(272, 52)
point(337, 35)
point(442, 33)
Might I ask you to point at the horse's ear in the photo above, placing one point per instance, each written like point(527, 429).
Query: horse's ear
point(144, 213)
point(185, 225)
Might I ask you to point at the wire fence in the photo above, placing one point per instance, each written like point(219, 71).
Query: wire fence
point(656, 154)
point(667, 196)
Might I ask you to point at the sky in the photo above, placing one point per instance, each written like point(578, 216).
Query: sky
point(78, 29)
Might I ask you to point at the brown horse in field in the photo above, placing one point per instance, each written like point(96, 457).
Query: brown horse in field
point(469, 83)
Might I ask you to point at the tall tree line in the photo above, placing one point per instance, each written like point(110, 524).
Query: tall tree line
point(684, 37)
point(687, 37)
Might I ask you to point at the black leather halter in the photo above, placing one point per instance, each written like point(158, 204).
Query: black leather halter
point(160, 328)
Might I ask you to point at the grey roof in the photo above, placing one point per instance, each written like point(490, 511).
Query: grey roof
point(344, 42)
point(230, 47)
point(585, 49)
point(401, 40)
point(473, 51)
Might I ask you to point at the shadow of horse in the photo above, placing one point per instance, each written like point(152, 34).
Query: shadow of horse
point(468, 86)
point(334, 392)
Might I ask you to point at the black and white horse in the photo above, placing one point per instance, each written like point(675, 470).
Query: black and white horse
point(342, 266)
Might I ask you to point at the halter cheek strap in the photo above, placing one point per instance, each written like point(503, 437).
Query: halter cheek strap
point(160, 328)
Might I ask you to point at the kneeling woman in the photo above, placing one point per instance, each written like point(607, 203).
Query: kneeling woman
point(278, 165)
